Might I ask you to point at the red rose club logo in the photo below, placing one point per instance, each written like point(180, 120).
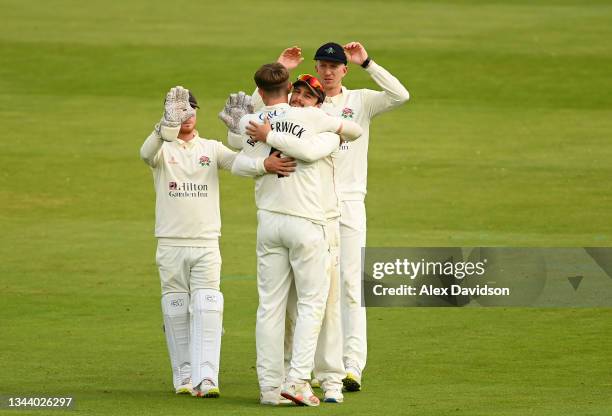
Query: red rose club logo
point(347, 113)
point(204, 161)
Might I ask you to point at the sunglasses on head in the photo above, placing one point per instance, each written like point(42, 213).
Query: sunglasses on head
point(310, 80)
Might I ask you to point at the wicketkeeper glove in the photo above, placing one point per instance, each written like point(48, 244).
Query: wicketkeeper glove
point(236, 106)
point(176, 111)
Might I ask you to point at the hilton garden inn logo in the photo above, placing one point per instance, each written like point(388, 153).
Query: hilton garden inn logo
point(187, 190)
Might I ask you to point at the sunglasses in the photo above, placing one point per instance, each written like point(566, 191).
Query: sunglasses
point(312, 81)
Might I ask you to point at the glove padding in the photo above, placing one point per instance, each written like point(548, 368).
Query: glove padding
point(236, 106)
point(176, 107)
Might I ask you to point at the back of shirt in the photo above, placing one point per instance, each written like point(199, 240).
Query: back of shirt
point(299, 194)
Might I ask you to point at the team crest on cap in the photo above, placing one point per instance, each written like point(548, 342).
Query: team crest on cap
point(204, 161)
point(330, 50)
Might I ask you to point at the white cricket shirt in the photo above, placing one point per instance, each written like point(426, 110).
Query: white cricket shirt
point(186, 180)
point(361, 106)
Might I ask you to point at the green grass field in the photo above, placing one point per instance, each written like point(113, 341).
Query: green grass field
point(506, 141)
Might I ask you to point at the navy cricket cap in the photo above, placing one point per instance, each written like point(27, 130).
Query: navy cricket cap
point(331, 52)
point(192, 101)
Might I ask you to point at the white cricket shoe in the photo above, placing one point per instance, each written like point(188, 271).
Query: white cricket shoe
point(352, 381)
point(333, 396)
point(272, 397)
point(206, 389)
point(185, 387)
point(300, 393)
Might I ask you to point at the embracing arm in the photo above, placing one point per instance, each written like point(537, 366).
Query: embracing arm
point(309, 149)
point(248, 166)
point(350, 130)
point(255, 160)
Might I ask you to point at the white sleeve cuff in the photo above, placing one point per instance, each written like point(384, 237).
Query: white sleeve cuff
point(170, 134)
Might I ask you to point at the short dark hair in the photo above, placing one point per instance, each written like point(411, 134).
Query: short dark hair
point(272, 78)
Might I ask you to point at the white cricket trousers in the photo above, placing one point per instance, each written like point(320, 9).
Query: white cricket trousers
point(287, 243)
point(186, 269)
point(352, 240)
point(192, 307)
point(328, 364)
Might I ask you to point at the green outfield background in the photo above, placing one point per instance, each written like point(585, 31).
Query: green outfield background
point(506, 141)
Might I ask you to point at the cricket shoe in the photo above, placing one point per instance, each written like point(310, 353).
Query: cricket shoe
point(333, 396)
point(352, 381)
point(272, 397)
point(206, 389)
point(300, 393)
point(185, 387)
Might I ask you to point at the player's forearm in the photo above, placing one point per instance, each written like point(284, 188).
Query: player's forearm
point(248, 166)
point(150, 148)
point(309, 149)
point(225, 157)
point(392, 87)
point(350, 130)
point(234, 140)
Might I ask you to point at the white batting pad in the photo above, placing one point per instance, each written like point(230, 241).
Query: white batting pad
point(206, 328)
point(175, 308)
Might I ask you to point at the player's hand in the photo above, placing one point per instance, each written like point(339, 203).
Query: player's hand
point(290, 58)
point(282, 166)
point(259, 132)
point(236, 106)
point(355, 52)
point(176, 107)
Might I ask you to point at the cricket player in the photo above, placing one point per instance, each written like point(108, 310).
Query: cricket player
point(187, 226)
point(361, 106)
point(329, 369)
point(291, 238)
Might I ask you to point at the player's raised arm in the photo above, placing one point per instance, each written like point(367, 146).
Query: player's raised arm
point(149, 151)
point(393, 93)
point(291, 57)
point(176, 110)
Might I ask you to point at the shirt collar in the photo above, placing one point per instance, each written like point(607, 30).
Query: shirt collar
point(276, 106)
point(189, 144)
point(337, 99)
